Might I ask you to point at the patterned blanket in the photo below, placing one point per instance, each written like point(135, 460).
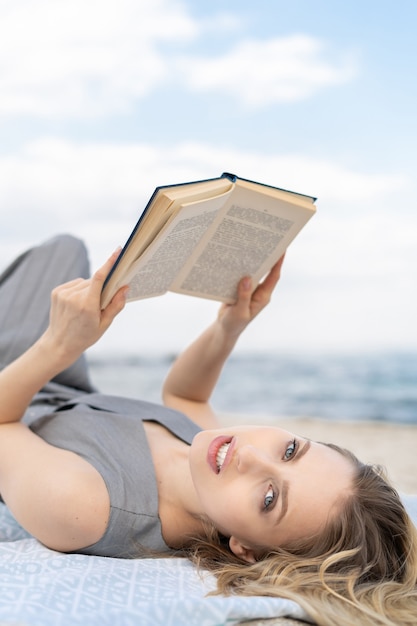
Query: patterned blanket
point(41, 587)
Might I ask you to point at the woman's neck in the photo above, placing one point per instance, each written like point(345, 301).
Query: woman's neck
point(178, 505)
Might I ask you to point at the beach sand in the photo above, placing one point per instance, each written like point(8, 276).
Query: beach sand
point(392, 445)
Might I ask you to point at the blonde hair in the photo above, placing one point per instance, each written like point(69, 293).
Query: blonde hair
point(361, 569)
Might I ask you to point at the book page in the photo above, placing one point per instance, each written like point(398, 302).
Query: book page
point(249, 236)
point(164, 204)
point(154, 272)
point(167, 202)
point(277, 192)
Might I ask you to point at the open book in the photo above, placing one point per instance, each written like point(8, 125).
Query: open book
point(201, 238)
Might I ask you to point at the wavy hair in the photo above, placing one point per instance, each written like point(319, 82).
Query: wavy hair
point(361, 569)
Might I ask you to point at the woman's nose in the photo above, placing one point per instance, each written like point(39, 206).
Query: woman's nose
point(251, 459)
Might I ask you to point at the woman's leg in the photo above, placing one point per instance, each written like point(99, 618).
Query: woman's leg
point(25, 288)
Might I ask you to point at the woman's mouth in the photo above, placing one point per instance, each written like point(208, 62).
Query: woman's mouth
point(219, 453)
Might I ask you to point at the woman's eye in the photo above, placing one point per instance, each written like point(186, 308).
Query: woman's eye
point(269, 498)
point(290, 451)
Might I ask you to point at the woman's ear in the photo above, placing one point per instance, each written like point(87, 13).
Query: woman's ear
point(238, 549)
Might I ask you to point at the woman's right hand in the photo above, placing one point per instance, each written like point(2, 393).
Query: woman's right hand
point(250, 302)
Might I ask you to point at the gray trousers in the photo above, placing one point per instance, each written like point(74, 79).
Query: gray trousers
point(25, 288)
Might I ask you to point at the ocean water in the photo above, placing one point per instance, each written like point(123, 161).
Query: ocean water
point(381, 387)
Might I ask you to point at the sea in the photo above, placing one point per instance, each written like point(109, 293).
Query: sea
point(371, 387)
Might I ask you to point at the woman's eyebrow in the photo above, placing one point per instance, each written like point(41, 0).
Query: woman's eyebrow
point(285, 485)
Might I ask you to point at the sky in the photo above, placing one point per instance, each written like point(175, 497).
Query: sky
point(102, 101)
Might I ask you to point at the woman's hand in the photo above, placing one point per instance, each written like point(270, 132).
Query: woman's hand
point(76, 322)
point(235, 317)
point(76, 319)
point(195, 372)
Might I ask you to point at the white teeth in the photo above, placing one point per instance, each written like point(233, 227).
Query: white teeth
point(221, 455)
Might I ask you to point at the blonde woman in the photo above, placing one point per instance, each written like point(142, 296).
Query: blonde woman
point(268, 511)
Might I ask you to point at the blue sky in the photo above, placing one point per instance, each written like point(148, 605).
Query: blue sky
point(101, 101)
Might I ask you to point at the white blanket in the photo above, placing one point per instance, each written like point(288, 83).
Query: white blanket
point(40, 587)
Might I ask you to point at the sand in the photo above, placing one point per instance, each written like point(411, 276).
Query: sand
point(392, 445)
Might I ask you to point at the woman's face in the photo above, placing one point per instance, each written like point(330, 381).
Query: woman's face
point(264, 487)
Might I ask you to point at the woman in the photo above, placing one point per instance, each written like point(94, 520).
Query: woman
point(269, 512)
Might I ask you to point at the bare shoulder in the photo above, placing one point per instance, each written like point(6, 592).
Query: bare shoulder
point(199, 412)
point(57, 496)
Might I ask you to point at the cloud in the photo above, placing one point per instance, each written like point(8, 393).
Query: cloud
point(93, 179)
point(259, 73)
point(348, 268)
point(98, 190)
point(84, 57)
point(328, 180)
point(96, 58)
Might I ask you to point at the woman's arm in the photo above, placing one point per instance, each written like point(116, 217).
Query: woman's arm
point(55, 494)
point(76, 322)
point(194, 374)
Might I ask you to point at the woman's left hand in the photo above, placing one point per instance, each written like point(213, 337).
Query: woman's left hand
point(76, 318)
point(235, 317)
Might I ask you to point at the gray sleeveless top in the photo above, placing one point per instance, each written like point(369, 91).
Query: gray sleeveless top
point(108, 432)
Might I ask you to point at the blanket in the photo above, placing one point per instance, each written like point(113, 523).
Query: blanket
point(41, 587)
